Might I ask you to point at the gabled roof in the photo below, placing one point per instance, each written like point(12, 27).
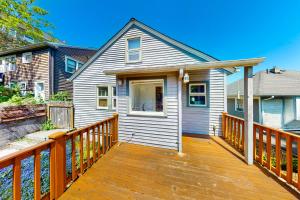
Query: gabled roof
point(41, 45)
point(139, 24)
point(270, 83)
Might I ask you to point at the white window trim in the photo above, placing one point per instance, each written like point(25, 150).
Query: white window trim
point(235, 105)
point(198, 94)
point(24, 57)
point(113, 97)
point(137, 49)
point(76, 67)
point(147, 113)
point(2, 66)
point(23, 82)
point(102, 97)
point(44, 93)
point(10, 65)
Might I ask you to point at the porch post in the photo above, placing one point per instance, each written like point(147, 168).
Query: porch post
point(248, 114)
point(179, 97)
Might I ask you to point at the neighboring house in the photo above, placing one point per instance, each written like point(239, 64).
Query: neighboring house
point(139, 74)
point(42, 68)
point(276, 98)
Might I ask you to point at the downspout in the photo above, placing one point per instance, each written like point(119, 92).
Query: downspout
point(179, 93)
point(51, 72)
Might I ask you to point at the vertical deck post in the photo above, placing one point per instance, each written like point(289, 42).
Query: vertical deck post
point(179, 93)
point(248, 113)
point(59, 157)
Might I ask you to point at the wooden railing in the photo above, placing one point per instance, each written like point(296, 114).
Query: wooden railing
point(274, 149)
point(85, 147)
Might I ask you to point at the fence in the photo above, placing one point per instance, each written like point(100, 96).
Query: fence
point(70, 154)
point(61, 114)
point(274, 149)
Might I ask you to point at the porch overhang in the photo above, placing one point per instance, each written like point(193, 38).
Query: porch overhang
point(226, 64)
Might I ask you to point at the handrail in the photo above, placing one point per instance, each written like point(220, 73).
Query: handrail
point(274, 149)
point(87, 144)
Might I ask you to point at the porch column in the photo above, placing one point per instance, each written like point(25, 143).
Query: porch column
point(179, 97)
point(248, 114)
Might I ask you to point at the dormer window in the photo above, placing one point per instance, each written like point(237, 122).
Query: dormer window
point(27, 57)
point(134, 50)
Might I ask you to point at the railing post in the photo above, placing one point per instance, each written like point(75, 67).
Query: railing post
point(116, 127)
point(58, 154)
point(224, 124)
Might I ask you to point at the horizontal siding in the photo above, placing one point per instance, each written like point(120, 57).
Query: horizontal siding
point(201, 120)
point(160, 132)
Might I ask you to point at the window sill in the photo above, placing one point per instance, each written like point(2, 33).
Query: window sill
point(147, 114)
point(133, 62)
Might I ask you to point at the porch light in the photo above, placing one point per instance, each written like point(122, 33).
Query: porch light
point(186, 78)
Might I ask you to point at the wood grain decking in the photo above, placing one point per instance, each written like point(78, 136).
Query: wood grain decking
point(207, 170)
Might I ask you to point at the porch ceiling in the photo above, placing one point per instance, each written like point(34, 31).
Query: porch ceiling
point(193, 66)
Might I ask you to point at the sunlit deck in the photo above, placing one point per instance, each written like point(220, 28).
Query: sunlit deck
point(207, 170)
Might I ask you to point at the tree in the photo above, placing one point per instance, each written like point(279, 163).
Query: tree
point(23, 17)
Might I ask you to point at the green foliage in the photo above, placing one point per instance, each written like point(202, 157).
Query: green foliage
point(15, 100)
point(7, 93)
point(294, 164)
point(61, 96)
point(48, 125)
point(25, 18)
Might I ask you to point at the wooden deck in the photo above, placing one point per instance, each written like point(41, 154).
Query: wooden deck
point(207, 170)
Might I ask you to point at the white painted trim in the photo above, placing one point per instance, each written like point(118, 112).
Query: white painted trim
point(147, 113)
point(179, 98)
point(203, 94)
point(43, 93)
point(102, 97)
point(24, 61)
point(137, 49)
point(225, 93)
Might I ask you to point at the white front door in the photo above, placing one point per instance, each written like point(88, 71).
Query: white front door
point(39, 90)
point(298, 108)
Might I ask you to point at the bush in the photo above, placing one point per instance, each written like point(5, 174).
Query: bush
point(7, 93)
point(61, 96)
point(48, 125)
point(15, 100)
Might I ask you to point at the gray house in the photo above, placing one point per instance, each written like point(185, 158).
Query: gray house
point(160, 87)
point(276, 98)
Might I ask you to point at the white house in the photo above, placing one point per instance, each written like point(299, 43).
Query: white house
point(160, 87)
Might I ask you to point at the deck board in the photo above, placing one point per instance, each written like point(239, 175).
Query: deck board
point(206, 171)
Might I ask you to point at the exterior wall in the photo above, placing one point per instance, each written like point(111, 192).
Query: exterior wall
point(289, 110)
point(162, 132)
point(201, 120)
point(37, 70)
point(148, 130)
point(232, 111)
point(61, 76)
point(272, 112)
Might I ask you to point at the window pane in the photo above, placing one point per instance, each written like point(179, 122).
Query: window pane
point(102, 102)
point(197, 88)
point(114, 91)
point(134, 43)
point(114, 103)
point(133, 55)
point(147, 96)
point(239, 105)
point(103, 91)
point(197, 100)
point(71, 65)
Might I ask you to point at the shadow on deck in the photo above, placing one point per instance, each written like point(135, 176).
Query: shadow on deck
point(207, 170)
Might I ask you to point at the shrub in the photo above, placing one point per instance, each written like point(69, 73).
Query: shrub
point(48, 125)
point(7, 93)
point(61, 96)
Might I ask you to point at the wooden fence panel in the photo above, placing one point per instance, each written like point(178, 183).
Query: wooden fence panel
point(61, 114)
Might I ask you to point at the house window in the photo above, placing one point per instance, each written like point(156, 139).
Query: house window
point(71, 65)
point(2, 65)
point(197, 94)
point(147, 97)
point(23, 87)
point(10, 63)
point(102, 97)
point(134, 51)
point(27, 57)
point(239, 105)
point(12, 84)
point(113, 98)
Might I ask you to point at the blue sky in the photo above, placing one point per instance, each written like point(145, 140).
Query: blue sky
point(224, 29)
